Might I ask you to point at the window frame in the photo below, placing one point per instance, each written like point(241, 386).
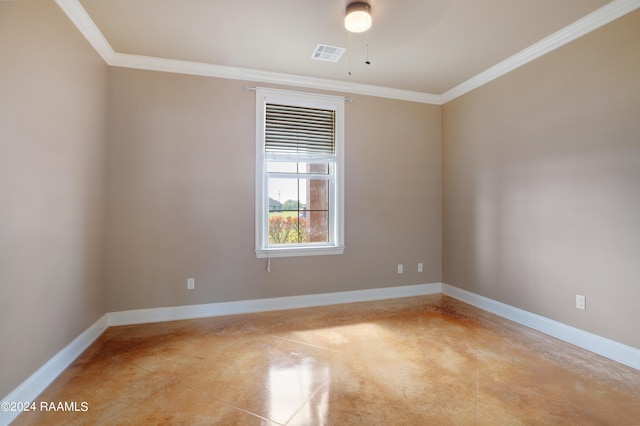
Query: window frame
point(335, 245)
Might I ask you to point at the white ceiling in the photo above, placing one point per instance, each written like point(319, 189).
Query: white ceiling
point(426, 47)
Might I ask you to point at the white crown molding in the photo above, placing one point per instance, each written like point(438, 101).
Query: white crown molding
point(246, 74)
point(141, 316)
point(592, 21)
point(29, 390)
point(81, 19)
point(83, 22)
point(613, 350)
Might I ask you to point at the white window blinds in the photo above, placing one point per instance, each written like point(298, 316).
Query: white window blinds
point(299, 130)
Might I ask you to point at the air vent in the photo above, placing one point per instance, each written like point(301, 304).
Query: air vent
point(324, 52)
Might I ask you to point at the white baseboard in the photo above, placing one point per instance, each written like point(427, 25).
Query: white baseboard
point(611, 349)
point(34, 385)
point(38, 381)
point(140, 316)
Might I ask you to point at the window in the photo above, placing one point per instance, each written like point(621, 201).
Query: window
point(299, 174)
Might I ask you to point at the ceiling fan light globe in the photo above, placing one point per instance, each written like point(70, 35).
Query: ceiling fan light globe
point(358, 17)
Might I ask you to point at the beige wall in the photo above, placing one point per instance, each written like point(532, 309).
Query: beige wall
point(52, 105)
point(541, 174)
point(542, 185)
point(181, 196)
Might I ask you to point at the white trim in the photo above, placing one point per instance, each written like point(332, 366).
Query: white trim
point(613, 350)
point(298, 251)
point(81, 19)
point(246, 74)
point(140, 316)
point(29, 390)
point(83, 22)
point(585, 25)
point(312, 97)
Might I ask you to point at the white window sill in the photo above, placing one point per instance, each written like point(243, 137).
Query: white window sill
point(298, 251)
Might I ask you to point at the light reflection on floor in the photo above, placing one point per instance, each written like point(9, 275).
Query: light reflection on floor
point(288, 385)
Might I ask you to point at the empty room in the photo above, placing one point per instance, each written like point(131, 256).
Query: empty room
point(306, 212)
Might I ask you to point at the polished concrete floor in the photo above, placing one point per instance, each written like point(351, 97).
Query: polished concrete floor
point(414, 361)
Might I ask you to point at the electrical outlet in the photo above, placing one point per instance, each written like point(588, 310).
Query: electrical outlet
point(191, 283)
point(581, 302)
point(420, 267)
point(400, 268)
